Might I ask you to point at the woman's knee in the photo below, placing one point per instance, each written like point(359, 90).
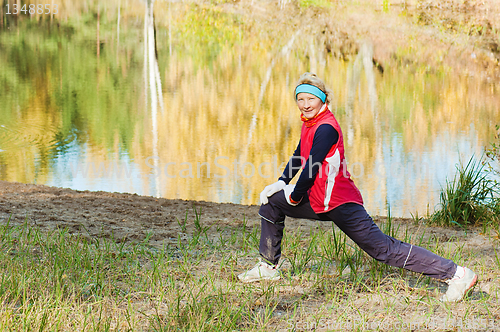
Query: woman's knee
point(272, 211)
point(390, 251)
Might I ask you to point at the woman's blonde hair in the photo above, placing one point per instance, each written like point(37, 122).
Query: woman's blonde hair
point(312, 79)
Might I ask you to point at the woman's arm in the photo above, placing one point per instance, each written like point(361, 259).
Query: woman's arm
point(293, 166)
point(325, 137)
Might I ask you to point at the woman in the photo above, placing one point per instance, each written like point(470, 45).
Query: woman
point(325, 191)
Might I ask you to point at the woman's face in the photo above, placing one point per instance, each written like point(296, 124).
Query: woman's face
point(309, 104)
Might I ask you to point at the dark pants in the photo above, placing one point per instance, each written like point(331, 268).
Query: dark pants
point(354, 221)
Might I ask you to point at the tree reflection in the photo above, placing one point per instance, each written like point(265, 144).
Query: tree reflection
point(152, 75)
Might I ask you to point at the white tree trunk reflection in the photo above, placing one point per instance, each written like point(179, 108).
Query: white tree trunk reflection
point(152, 78)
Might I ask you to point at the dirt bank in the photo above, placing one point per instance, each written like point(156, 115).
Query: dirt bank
point(124, 217)
point(103, 214)
point(130, 217)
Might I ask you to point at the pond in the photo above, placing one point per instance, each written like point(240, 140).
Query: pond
point(191, 102)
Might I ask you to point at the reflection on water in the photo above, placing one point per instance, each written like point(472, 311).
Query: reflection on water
point(196, 107)
point(152, 75)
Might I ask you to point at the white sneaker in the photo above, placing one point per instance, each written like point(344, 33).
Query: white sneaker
point(459, 286)
point(261, 271)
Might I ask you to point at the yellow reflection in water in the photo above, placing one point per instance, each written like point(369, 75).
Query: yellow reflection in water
point(230, 121)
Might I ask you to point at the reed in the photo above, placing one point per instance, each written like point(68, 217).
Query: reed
point(471, 198)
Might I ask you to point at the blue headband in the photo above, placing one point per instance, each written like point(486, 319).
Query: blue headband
point(308, 88)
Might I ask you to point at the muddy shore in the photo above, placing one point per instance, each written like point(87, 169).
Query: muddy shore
point(131, 217)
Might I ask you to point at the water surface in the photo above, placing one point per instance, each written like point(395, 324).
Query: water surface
point(195, 106)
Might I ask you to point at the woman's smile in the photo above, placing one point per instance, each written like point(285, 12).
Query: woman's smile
point(309, 104)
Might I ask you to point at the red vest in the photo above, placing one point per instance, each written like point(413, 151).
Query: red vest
point(333, 185)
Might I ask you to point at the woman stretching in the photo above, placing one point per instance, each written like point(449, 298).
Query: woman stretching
point(325, 191)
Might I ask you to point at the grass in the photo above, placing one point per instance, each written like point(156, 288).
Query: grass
point(470, 198)
point(57, 281)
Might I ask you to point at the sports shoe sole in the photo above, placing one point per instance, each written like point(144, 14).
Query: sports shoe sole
point(466, 292)
point(470, 287)
point(259, 279)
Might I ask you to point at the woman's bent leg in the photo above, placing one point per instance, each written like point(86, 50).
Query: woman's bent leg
point(273, 223)
point(270, 241)
point(353, 220)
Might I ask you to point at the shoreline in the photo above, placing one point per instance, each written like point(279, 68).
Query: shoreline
point(131, 217)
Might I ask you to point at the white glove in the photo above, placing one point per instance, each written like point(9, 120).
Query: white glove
point(288, 191)
point(271, 190)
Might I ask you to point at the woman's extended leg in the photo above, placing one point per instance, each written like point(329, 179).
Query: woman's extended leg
point(359, 226)
point(353, 220)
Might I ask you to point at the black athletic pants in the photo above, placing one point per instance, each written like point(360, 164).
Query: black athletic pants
point(354, 221)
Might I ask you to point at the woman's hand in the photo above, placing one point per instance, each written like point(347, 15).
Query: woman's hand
point(288, 190)
point(271, 190)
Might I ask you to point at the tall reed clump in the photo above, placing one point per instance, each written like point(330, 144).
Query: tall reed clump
point(471, 198)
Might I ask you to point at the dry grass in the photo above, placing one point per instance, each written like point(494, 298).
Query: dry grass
point(58, 281)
